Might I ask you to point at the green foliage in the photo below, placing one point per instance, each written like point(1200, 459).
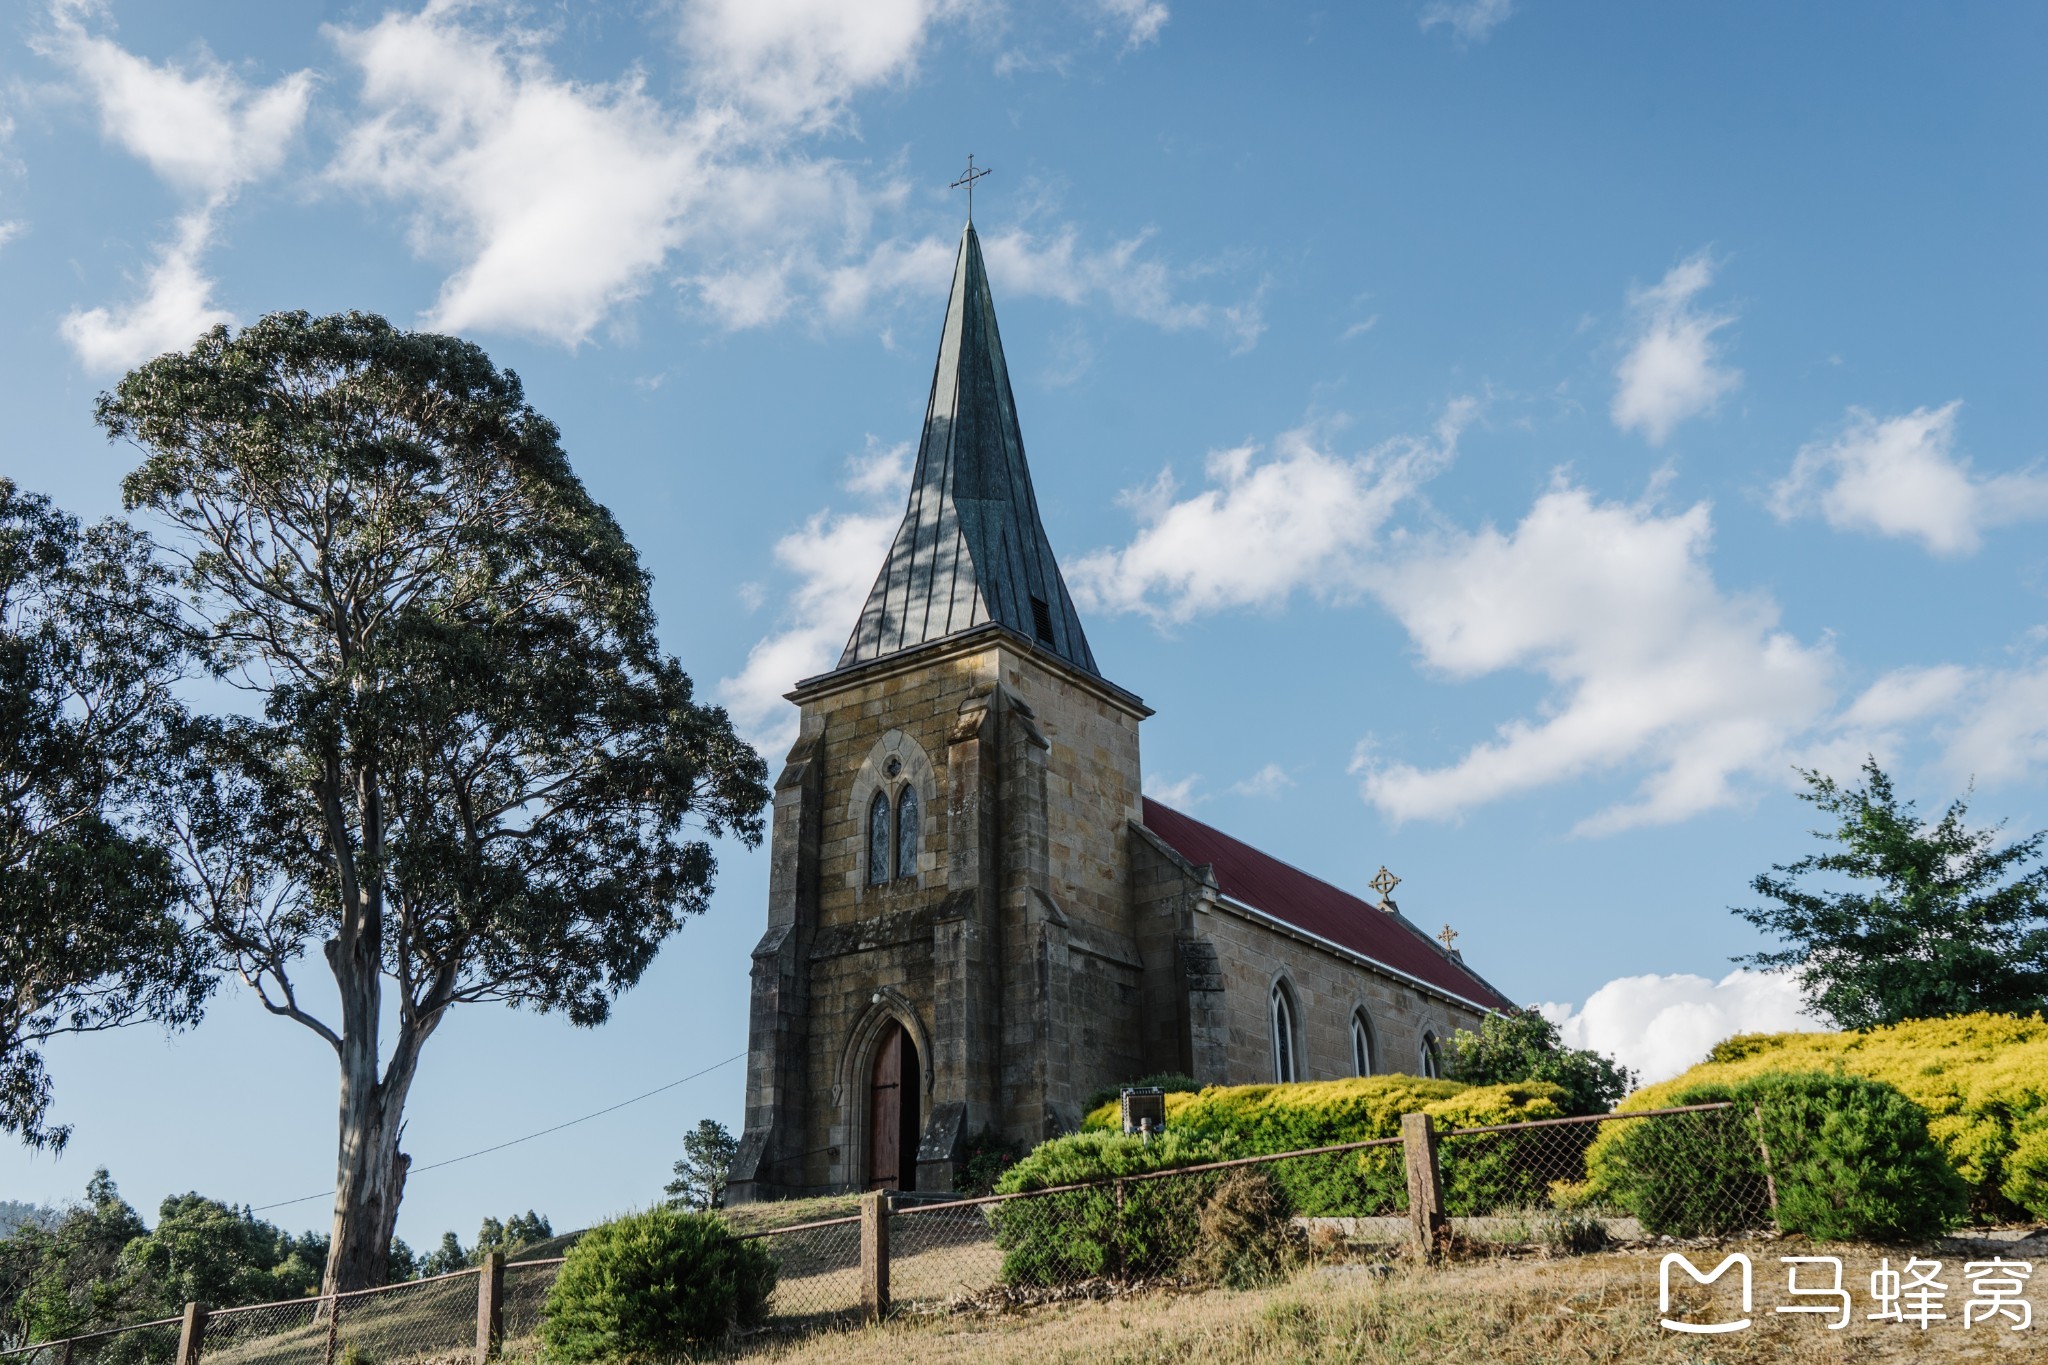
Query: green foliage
point(1982, 1078)
point(1851, 1159)
point(473, 774)
point(708, 1154)
point(1246, 1120)
point(1172, 1082)
point(446, 1258)
point(1521, 1045)
point(1951, 924)
point(516, 1233)
point(651, 1286)
point(96, 1265)
point(88, 892)
point(1146, 1231)
point(983, 1164)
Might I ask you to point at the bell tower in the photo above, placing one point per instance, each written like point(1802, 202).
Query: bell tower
point(950, 944)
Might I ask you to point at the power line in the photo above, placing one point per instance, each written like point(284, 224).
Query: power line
point(486, 1151)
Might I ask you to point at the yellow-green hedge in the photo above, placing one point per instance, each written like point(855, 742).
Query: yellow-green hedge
point(1250, 1120)
point(1982, 1078)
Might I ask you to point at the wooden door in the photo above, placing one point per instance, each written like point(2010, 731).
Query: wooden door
point(885, 1114)
point(895, 1105)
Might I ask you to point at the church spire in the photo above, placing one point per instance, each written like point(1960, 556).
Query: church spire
point(971, 550)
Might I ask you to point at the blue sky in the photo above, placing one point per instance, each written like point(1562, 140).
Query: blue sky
point(1502, 440)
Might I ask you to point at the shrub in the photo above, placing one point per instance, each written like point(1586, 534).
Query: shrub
point(983, 1162)
point(1480, 1173)
point(1851, 1158)
point(1247, 1233)
point(649, 1286)
point(1521, 1045)
point(1146, 1230)
point(1981, 1078)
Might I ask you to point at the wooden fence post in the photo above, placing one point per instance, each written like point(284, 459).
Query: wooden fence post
point(191, 1335)
point(490, 1306)
point(1425, 1185)
point(874, 1254)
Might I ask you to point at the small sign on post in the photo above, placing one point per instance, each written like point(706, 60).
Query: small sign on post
point(1144, 1110)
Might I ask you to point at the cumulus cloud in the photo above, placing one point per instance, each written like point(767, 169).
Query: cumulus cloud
point(204, 132)
point(1268, 781)
point(562, 200)
point(1299, 517)
point(1179, 793)
point(1140, 20)
point(1654, 667)
point(1658, 1026)
point(1470, 21)
point(1673, 370)
point(834, 557)
point(1901, 476)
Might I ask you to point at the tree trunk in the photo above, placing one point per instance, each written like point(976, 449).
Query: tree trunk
point(369, 1170)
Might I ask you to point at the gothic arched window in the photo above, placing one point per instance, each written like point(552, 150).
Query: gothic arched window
point(1431, 1057)
point(906, 833)
point(878, 839)
point(1361, 1044)
point(1286, 1067)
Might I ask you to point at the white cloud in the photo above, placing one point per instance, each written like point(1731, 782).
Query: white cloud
point(1178, 793)
point(560, 198)
point(1658, 1026)
point(204, 132)
point(175, 309)
point(1140, 20)
point(1654, 667)
point(1268, 781)
point(834, 558)
point(796, 62)
point(1674, 370)
point(1471, 21)
point(1901, 476)
point(1995, 728)
point(1302, 518)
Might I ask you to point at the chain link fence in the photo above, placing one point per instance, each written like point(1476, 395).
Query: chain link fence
point(817, 1272)
point(524, 1300)
point(142, 1343)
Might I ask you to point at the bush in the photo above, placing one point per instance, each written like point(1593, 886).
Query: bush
point(1480, 1174)
point(1148, 1230)
point(1981, 1078)
point(649, 1286)
point(1521, 1045)
point(1852, 1160)
point(983, 1162)
point(1247, 1233)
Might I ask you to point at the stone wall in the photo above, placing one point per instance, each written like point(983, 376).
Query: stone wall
point(1327, 988)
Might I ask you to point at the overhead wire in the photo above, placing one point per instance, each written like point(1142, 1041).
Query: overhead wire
point(514, 1142)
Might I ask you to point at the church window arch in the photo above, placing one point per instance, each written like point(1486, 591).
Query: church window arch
point(879, 839)
point(1286, 1034)
point(908, 828)
point(1431, 1056)
point(1362, 1050)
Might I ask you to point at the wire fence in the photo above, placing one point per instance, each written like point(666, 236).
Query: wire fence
point(1698, 1171)
point(1557, 1184)
point(445, 1318)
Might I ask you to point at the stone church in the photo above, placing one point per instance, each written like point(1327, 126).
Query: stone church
point(975, 917)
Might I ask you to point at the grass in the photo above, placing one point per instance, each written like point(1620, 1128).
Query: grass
point(1601, 1307)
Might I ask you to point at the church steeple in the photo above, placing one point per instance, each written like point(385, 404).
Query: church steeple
point(971, 549)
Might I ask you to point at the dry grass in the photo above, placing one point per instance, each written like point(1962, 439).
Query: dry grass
point(1515, 1312)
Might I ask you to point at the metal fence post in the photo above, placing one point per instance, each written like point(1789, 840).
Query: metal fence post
point(1425, 1185)
point(333, 1328)
point(874, 1254)
point(490, 1305)
point(192, 1335)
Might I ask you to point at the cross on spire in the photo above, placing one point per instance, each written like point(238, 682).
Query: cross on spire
point(1385, 883)
point(1447, 938)
point(968, 180)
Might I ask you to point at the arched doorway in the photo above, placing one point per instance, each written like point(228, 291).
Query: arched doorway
point(894, 1105)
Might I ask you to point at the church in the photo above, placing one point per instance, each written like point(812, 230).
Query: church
point(975, 916)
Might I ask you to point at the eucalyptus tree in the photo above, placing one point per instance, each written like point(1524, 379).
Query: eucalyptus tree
point(90, 936)
point(468, 772)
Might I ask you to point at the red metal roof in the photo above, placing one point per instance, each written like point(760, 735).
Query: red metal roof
point(1264, 883)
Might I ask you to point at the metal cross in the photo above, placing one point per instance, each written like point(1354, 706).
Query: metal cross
point(968, 180)
point(1447, 938)
point(1384, 883)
